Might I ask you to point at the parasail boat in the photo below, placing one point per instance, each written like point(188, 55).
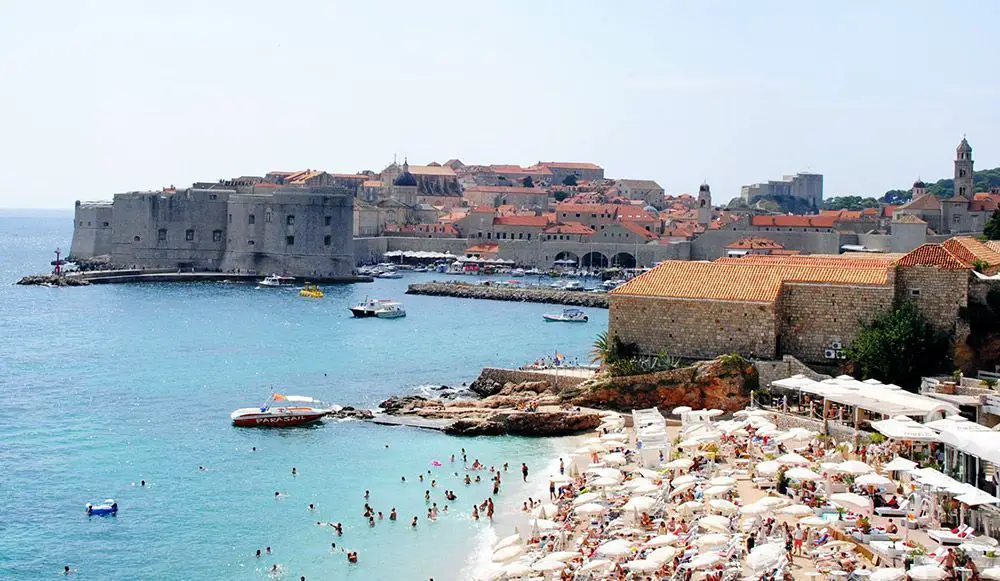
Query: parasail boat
point(567, 316)
point(280, 411)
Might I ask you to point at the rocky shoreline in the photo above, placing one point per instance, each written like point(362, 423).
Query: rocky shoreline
point(537, 408)
point(52, 280)
point(507, 293)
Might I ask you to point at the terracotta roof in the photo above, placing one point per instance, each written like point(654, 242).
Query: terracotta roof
point(907, 219)
point(637, 229)
point(993, 245)
point(743, 279)
point(924, 202)
point(587, 208)
point(574, 228)
point(507, 190)
point(968, 250)
point(483, 249)
point(932, 255)
point(484, 210)
point(983, 205)
point(431, 170)
point(957, 200)
point(794, 221)
point(750, 243)
point(634, 214)
point(371, 184)
point(350, 176)
point(537, 221)
point(871, 262)
point(568, 165)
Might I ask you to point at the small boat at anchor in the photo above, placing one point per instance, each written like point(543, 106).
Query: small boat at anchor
point(567, 316)
point(280, 412)
point(368, 307)
point(106, 508)
point(276, 280)
point(311, 291)
point(390, 310)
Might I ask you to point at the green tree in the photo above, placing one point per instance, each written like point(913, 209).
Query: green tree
point(569, 180)
point(898, 346)
point(992, 228)
point(527, 182)
point(560, 196)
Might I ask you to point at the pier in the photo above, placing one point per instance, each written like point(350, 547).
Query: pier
point(162, 275)
point(509, 293)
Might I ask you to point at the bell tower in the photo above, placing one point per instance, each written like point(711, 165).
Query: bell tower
point(704, 205)
point(964, 182)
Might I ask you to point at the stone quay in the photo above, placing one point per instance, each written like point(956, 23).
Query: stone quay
point(506, 293)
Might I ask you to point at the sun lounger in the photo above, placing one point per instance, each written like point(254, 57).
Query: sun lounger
point(889, 511)
point(947, 537)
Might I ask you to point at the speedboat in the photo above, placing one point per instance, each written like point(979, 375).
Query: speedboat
point(276, 280)
point(573, 285)
point(368, 307)
point(420, 269)
point(517, 272)
point(311, 291)
point(389, 274)
point(279, 412)
point(390, 310)
point(567, 316)
point(107, 507)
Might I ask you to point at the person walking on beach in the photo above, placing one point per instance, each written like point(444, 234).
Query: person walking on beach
point(524, 471)
point(562, 467)
point(798, 536)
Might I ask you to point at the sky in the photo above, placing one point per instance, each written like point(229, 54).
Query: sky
point(105, 97)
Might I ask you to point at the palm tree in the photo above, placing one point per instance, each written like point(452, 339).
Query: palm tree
point(601, 353)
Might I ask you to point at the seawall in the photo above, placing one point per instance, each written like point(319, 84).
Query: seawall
point(496, 293)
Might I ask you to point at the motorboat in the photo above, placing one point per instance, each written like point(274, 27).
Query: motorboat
point(610, 284)
point(389, 274)
point(105, 508)
point(420, 269)
point(276, 280)
point(533, 272)
point(567, 316)
point(517, 272)
point(280, 411)
point(368, 307)
point(311, 291)
point(574, 285)
point(390, 310)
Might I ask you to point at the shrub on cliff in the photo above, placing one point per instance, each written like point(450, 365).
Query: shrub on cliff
point(898, 346)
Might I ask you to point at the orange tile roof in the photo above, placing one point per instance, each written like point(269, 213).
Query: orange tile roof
point(750, 243)
point(431, 170)
point(351, 176)
point(507, 190)
point(568, 165)
point(484, 209)
point(993, 245)
point(634, 214)
point(574, 228)
point(371, 184)
point(483, 249)
point(637, 229)
point(742, 279)
point(968, 250)
point(932, 255)
point(873, 261)
point(536, 221)
point(794, 221)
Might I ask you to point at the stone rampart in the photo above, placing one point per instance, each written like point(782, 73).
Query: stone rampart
point(496, 293)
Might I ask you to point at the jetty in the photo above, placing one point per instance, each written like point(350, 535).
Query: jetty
point(164, 275)
point(509, 293)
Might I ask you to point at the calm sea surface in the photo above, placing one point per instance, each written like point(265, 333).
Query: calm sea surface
point(106, 385)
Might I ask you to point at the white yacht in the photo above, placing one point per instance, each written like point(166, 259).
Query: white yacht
point(390, 310)
point(276, 280)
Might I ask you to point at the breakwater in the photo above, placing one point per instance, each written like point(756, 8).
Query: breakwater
point(507, 293)
point(161, 275)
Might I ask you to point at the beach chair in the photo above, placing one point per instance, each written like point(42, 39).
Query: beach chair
point(947, 537)
point(889, 511)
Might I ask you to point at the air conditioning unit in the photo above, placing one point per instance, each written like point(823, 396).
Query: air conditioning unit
point(830, 353)
point(836, 346)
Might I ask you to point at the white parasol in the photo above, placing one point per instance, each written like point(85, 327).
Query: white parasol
point(586, 497)
point(854, 467)
point(661, 541)
point(507, 541)
point(927, 573)
point(773, 501)
point(800, 473)
point(765, 556)
point(642, 565)
point(515, 570)
point(852, 500)
point(681, 410)
point(690, 506)
point(546, 565)
point(595, 565)
point(507, 553)
point(714, 522)
point(813, 521)
point(683, 463)
point(891, 574)
point(991, 573)
point(615, 548)
point(717, 490)
point(683, 479)
point(723, 506)
point(704, 560)
point(639, 503)
point(563, 556)
point(646, 487)
point(792, 459)
point(796, 510)
point(722, 481)
point(662, 554)
point(711, 540)
point(872, 479)
point(755, 508)
point(591, 508)
point(899, 464)
point(767, 467)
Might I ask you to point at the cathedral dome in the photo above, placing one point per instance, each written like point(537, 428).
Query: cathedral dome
point(919, 184)
point(405, 178)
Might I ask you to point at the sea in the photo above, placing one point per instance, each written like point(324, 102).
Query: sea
point(108, 385)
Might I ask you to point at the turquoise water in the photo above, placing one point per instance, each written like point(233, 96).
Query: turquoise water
point(107, 385)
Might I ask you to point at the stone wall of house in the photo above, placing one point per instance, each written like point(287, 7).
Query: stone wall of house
point(937, 293)
point(770, 371)
point(694, 329)
point(814, 318)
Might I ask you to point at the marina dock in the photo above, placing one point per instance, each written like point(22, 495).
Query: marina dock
point(509, 293)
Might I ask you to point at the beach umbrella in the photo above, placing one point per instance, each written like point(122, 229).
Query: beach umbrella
point(800, 473)
point(773, 501)
point(615, 548)
point(637, 482)
point(714, 522)
point(661, 541)
point(704, 560)
point(595, 565)
point(711, 540)
point(547, 565)
point(590, 508)
point(507, 553)
point(723, 506)
point(646, 487)
point(976, 498)
point(716, 490)
point(690, 443)
point(563, 556)
point(927, 573)
point(899, 464)
point(792, 459)
point(813, 521)
point(795, 433)
point(611, 446)
point(605, 473)
point(614, 436)
point(640, 503)
point(544, 524)
point(683, 479)
point(765, 556)
point(722, 481)
point(586, 497)
point(755, 508)
point(714, 413)
point(642, 565)
point(767, 467)
point(991, 573)
point(680, 410)
point(650, 474)
point(690, 506)
point(841, 545)
point(854, 467)
point(560, 479)
point(682, 488)
point(872, 479)
point(682, 463)
point(892, 574)
point(796, 510)
point(507, 541)
point(829, 466)
point(545, 510)
point(604, 482)
point(662, 554)
point(850, 499)
point(515, 570)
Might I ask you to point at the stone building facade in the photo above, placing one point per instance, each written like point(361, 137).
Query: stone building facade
point(230, 227)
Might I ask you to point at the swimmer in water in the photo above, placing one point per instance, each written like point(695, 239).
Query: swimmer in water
point(404, 478)
point(371, 521)
point(467, 479)
point(312, 506)
point(340, 529)
point(414, 522)
point(380, 515)
point(67, 570)
point(294, 471)
point(142, 483)
point(202, 468)
point(254, 449)
point(421, 477)
point(392, 514)
point(434, 483)
point(366, 495)
point(258, 553)
point(427, 496)
point(268, 550)
point(475, 512)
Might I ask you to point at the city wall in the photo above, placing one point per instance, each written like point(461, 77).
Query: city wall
point(711, 244)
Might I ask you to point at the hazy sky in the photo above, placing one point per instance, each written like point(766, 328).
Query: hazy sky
point(103, 97)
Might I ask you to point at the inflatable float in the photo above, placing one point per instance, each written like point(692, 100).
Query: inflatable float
point(109, 506)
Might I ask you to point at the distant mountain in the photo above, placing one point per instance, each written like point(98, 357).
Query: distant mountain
point(984, 180)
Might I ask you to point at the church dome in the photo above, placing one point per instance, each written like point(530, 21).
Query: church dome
point(703, 188)
point(919, 184)
point(964, 146)
point(405, 179)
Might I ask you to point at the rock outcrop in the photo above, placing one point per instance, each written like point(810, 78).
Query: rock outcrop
point(52, 280)
point(347, 412)
point(507, 293)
